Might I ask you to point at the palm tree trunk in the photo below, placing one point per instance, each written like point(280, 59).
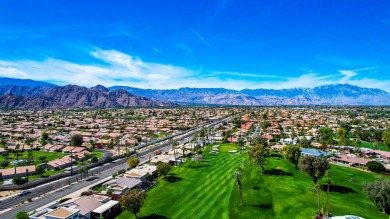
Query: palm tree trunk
point(327, 203)
point(318, 199)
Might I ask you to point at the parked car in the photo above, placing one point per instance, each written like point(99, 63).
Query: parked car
point(24, 192)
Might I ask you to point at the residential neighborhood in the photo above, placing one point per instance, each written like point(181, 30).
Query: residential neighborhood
point(351, 138)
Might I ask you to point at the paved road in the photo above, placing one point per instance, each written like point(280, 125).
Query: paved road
point(100, 172)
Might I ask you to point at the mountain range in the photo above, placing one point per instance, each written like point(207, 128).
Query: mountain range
point(29, 94)
point(70, 96)
point(337, 94)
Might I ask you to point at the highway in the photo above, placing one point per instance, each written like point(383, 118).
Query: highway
point(51, 192)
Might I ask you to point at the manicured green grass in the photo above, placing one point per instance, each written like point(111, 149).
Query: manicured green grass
point(46, 174)
point(98, 154)
point(228, 147)
point(284, 192)
point(381, 146)
point(208, 190)
point(194, 190)
point(36, 154)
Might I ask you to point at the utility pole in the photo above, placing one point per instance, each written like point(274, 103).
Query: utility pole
point(71, 162)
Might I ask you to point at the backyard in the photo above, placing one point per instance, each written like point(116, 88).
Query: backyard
point(36, 154)
point(208, 189)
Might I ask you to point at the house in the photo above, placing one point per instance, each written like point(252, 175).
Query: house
point(47, 147)
point(121, 185)
point(161, 158)
point(351, 160)
point(105, 210)
point(278, 147)
point(85, 207)
point(56, 148)
point(68, 149)
point(17, 171)
point(86, 204)
point(58, 163)
point(141, 172)
point(59, 213)
point(314, 152)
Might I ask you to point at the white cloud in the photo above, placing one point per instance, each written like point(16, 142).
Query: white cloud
point(122, 69)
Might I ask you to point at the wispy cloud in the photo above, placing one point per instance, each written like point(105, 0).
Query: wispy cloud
point(200, 37)
point(117, 68)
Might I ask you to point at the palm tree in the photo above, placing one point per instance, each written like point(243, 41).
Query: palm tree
point(328, 175)
point(237, 176)
point(16, 152)
point(184, 149)
point(241, 144)
point(81, 171)
point(174, 145)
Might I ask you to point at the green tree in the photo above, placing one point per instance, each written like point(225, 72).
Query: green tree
point(22, 215)
point(132, 201)
point(377, 134)
point(77, 140)
point(314, 167)
point(4, 163)
point(44, 138)
point(259, 153)
point(325, 136)
point(163, 168)
point(386, 137)
point(292, 154)
point(93, 145)
point(343, 140)
point(94, 159)
point(375, 166)
point(42, 158)
point(40, 170)
point(133, 162)
point(5, 154)
point(379, 193)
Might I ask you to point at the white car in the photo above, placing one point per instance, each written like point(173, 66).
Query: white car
point(24, 192)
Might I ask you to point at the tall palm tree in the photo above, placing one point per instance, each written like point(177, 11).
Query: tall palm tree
point(241, 144)
point(328, 175)
point(16, 152)
point(174, 146)
point(237, 176)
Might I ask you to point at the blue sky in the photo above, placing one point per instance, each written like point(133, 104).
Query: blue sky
point(201, 43)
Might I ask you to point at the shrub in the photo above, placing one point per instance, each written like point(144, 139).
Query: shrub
point(94, 159)
point(64, 200)
point(18, 180)
point(375, 167)
point(122, 171)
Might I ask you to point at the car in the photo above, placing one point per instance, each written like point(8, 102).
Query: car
point(24, 192)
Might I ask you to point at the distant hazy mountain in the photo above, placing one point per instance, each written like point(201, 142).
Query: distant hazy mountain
point(24, 82)
point(73, 96)
point(52, 96)
point(339, 94)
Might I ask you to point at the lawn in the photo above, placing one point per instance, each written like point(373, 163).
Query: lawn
point(36, 154)
point(208, 190)
point(381, 146)
point(46, 174)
